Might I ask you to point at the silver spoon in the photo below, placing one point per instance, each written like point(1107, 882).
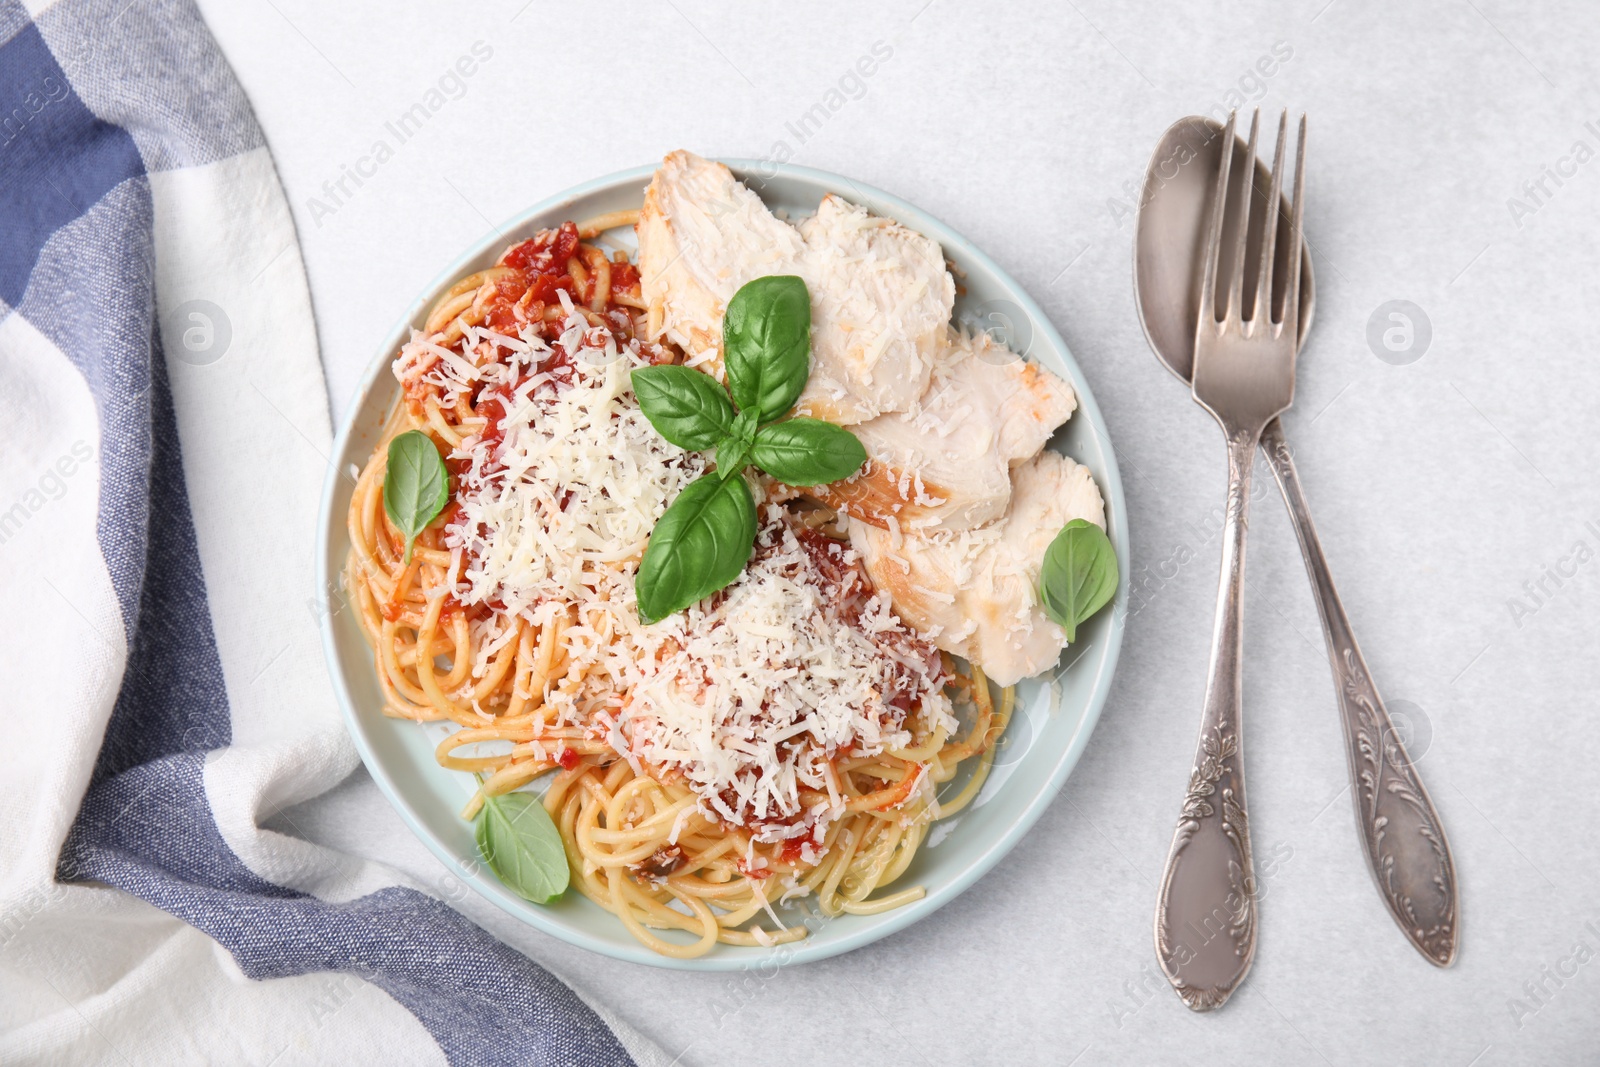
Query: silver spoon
point(1401, 835)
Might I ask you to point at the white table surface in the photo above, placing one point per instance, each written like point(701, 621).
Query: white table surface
point(1442, 486)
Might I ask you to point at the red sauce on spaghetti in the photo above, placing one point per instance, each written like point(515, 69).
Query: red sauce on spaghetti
point(546, 251)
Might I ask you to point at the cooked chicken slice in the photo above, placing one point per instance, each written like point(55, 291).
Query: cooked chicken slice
point(947, 463)
point(880, 301)
point(975, 592)
point(702, 235)
point(880, 294)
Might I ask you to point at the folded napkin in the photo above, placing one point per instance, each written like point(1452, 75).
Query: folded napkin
point(164, 442)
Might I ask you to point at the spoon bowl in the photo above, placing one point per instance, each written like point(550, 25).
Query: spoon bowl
point(1171, 230)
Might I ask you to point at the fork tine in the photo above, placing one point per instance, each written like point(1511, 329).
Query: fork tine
point(1241, 240)
point(1291, 296)
point(1213, 247)
point(1269, 225)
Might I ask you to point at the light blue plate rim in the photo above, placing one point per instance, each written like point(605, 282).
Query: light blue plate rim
point(331, 528)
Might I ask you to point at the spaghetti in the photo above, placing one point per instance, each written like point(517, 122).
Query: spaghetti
point(701, 771)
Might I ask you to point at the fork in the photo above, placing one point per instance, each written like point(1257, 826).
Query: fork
point(1244, 375)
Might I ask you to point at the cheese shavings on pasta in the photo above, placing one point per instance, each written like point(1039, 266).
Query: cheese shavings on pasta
point(753, 692)
point(749, 697)
point(787, 735)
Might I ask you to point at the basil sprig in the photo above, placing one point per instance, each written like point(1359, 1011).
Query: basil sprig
point(1079, 576)
point(704, 539)
point(416, 486)
point(522, 846)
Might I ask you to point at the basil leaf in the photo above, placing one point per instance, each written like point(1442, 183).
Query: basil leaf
point(733, 451)
point(688, 408)
point(416, 486)
point(698, 546)
point(522, 846)
point(1079, 575)
point(766, 344)
point(801, 452)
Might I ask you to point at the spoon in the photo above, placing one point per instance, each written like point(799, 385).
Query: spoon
point(1401, 835)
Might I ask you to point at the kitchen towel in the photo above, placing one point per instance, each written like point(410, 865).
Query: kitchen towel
point(165, 701)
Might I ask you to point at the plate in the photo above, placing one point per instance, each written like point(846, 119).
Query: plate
point(1055, 715)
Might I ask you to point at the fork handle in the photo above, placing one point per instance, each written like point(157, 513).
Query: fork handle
point(1206, 916)
point(1401, 834)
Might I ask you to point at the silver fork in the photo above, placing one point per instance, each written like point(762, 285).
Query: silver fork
point(1244, 376)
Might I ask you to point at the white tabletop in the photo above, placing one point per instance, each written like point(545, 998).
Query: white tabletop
point(1445, 487)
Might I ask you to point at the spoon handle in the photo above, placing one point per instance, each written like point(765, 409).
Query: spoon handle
point(1400, 831)
point(1206, 917)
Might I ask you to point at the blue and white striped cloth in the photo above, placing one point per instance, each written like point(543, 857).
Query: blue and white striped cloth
point(164, 438)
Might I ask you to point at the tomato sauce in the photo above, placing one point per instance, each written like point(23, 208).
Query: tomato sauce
point(624, 277)
point(500, 309)
point(545, 252)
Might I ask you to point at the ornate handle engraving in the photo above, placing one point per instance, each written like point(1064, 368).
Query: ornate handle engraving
point(1404, 841)
point(1206, 916)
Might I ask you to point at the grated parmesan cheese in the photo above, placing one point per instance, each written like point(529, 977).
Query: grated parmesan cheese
point(752, 692)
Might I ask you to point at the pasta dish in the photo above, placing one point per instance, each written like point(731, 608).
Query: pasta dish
point(787, 735)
